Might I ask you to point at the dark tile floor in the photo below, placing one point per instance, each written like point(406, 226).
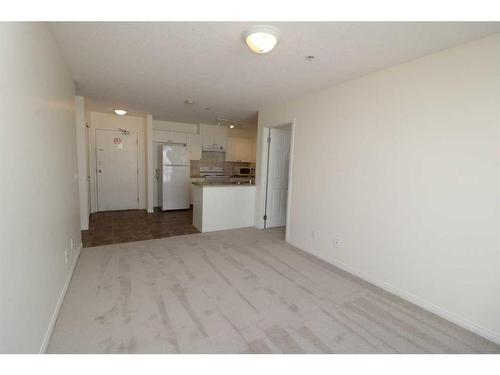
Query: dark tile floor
point(136, 225)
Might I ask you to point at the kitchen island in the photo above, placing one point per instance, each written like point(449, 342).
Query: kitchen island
point(219, 206)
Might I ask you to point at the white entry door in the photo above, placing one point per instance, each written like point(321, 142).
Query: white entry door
point(277, 178)
point(117, 170)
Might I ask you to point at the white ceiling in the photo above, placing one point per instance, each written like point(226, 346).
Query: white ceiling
point(155, 67)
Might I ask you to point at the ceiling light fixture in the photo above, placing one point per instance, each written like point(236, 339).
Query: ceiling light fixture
point(231, 124)
point(261, 39)
point(189, 101)
point(120, 112)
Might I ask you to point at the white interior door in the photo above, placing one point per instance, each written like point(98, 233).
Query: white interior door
point(117, 170)
point(277, 178)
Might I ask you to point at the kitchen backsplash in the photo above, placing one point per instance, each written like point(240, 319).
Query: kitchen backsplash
point(215, 162)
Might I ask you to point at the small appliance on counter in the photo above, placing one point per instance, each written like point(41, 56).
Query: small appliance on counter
point(244, 171)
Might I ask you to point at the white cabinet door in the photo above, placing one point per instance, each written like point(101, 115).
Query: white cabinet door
point(213, 135)
point(253, 150)
point(246, 149)
point(194, 146)
point(176, 137)
point(161, 135)
point(240, 149)
point(220, 140)
point(214, 139)
point(232, 149)
point(169, 136)
point(207, 139)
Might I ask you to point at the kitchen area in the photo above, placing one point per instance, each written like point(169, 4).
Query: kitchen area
point(210, 168)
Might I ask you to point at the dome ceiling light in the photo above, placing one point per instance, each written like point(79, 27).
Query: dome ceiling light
point(120, 112)
point(261, 39)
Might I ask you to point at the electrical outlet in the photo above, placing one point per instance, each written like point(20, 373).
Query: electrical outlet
point(339, 243)
point(66, 256)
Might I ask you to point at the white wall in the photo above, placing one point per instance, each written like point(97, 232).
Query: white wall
point(82, 158)
point(150, 175)
point(403, 166)
point(39, 189)
point(100, 120)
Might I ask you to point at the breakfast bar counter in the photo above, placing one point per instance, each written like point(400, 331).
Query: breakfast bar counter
point(219, 206)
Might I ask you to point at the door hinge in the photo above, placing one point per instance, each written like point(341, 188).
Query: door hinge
point(137, 199)
point(268, 139)
point(265, 217)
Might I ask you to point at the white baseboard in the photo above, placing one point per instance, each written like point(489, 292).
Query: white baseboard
point(53, 319)
point(443, 313)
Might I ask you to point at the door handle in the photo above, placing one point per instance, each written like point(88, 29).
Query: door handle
point(100, 171)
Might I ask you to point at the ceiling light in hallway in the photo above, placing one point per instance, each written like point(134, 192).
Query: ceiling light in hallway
point(261, 39)
point(120, 112)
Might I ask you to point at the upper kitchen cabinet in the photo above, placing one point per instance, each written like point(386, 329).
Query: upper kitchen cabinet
point(214, 139)
point(194, 146)
point(240, 149)
point(178, 127)
point(213, 135)
point(169, 136)
point(177, 137)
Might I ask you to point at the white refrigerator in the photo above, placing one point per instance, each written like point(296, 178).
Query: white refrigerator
point(174, 183)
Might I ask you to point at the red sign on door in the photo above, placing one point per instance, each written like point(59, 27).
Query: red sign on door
point(117, 143)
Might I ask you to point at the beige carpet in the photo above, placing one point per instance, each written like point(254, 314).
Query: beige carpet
point(238, 291)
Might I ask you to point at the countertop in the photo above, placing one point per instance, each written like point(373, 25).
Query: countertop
point(241, 177)
point(219, 184)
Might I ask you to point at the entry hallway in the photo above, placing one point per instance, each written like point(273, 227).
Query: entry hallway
point(238, 291)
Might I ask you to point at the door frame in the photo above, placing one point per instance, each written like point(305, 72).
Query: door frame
point(96, 159)
point(265, 166)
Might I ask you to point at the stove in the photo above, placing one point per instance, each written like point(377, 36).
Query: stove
point(213, 174)
point(211, 171)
